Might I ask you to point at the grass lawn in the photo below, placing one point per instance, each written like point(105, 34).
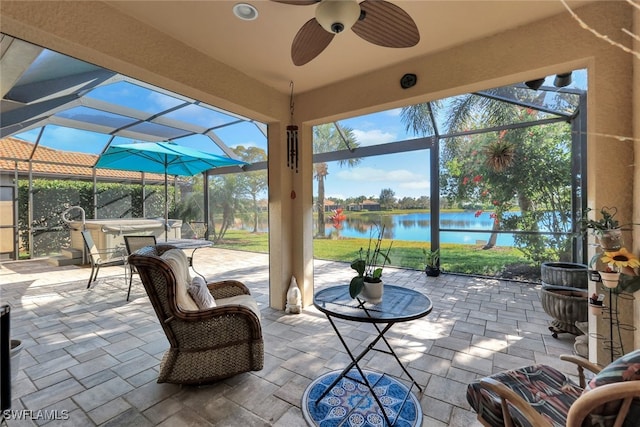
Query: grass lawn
point(470, 259)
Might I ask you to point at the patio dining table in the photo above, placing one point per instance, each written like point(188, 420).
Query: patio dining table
point(193, 244)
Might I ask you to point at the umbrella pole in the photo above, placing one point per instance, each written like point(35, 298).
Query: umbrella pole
point(166, 206)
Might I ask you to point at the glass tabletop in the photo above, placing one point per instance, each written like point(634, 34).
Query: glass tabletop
point(188, 243)
point(398, 305)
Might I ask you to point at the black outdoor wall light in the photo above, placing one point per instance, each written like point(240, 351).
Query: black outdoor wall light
point(561, 80)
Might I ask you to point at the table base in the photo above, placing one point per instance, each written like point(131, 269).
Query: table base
point(350, 403)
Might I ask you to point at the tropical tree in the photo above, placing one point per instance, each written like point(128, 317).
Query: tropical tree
point(328, 138)
point(252, 184)
point(225, 203)
point(387, 198)
point(190, 207)
point(506, 169)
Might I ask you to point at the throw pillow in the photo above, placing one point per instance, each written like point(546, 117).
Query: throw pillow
point(200, 293)
point(625, 368)
point(179, 263)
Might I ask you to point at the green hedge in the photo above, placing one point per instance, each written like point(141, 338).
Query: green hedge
point(52, 197)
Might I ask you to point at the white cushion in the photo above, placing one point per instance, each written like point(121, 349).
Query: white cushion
point(200, 293)
point(244, 300)
point(179, 263)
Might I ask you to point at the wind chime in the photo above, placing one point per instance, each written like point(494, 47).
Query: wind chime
point(292, 138)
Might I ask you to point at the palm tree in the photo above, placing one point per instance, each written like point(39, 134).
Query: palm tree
point(494, 162)
point(254, 183)
point(327, 138)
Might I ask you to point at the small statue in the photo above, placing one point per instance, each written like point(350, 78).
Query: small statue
point(294, 298)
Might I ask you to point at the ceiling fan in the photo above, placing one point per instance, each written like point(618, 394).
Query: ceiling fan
point(376, 21)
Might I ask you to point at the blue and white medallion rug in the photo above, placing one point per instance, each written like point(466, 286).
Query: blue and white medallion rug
point(351, 404)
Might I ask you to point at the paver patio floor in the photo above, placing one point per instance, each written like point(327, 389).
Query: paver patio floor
point(92, 357)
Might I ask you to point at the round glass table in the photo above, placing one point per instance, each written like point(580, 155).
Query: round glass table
point(398, 305)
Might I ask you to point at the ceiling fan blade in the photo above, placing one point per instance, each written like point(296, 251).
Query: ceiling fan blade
point(297, 2)
point(310, 41)
point(386, 24)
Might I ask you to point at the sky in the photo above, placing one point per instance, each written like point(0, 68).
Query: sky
point(407, 174)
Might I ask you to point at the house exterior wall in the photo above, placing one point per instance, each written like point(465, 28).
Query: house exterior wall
point(97, 33)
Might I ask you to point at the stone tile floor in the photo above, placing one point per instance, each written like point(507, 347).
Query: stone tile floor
point(91, 358)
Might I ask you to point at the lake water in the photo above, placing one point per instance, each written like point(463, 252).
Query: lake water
point(417, 227)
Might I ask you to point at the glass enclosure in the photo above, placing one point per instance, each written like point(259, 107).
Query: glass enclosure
point(492, 179)
point(66, 113)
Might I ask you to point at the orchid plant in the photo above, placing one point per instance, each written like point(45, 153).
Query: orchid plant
point(367, 265)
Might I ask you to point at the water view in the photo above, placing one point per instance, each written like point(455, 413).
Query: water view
point(413, 227)
point(417, 227)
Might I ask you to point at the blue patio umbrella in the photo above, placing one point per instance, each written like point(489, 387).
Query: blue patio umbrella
point(166, 158)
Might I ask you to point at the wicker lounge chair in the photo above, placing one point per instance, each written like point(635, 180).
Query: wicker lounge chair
point(206, 345)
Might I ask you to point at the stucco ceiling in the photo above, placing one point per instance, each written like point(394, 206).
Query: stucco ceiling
point(261, 48)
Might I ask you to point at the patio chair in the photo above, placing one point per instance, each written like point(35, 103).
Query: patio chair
point(133, 243)
point(206, 344)
point(104, 258)
point(540, 395)
point(198, 229)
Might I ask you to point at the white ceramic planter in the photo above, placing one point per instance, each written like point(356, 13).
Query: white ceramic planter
point(372, 292)
point(610, 280)
point(610, 240)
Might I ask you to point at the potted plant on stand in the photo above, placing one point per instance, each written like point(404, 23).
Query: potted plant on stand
point(606, 228)
point(596, 303)
point(431, 262)
point(369, 267)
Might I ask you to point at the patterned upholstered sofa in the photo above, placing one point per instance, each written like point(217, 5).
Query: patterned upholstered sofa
point(206, 344)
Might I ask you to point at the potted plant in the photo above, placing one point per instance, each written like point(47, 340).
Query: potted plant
point(596, 303)
point(431, 262)
point(369, 266)
point(606, 228)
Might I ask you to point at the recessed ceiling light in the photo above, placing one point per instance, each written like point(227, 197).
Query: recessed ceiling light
point(245, 11)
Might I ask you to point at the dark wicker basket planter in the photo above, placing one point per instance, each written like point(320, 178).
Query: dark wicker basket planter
point(564, 274)
point(432, 271)
point(566, 305)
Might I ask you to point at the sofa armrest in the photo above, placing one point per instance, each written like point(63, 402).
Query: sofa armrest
point(625, 391)
point(582, 364)
point(227, 289)
point(239, 317)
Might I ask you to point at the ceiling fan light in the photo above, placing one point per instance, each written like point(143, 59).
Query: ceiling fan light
point(336, 16)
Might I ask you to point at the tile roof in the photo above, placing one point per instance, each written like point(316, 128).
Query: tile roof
point(14, 153)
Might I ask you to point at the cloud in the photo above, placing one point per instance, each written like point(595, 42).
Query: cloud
point(416, 185)
point(377, 175)
point(373, 137)
point(162, 100)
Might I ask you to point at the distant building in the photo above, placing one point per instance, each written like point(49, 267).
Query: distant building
point(365, 205)
point(330, 205)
